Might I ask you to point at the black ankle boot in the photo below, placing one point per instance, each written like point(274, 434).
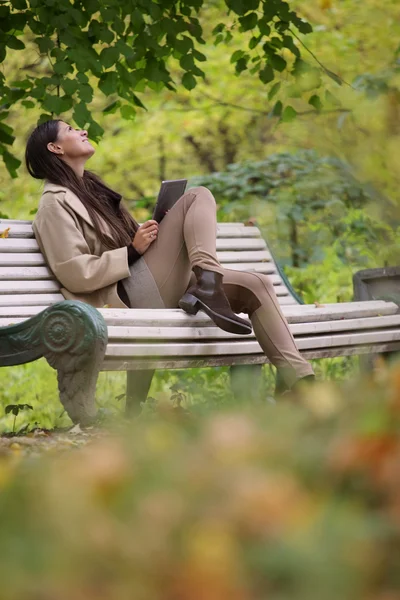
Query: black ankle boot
point(208, 295)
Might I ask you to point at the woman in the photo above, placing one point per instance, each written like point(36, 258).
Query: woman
point(102, 256)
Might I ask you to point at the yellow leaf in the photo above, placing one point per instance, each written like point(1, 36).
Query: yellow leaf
point(318, 305)
point(4, 234)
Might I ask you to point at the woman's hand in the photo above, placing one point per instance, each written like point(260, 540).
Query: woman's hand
point(145, 235)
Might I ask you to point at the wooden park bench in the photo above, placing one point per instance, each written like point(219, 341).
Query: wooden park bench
point(79, 340)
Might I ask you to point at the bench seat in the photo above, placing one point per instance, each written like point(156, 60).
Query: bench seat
point(143, 339)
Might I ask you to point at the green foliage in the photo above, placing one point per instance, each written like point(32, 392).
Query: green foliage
point(122, 48)
point(315, 202)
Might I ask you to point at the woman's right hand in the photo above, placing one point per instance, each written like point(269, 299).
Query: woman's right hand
point(145, 235)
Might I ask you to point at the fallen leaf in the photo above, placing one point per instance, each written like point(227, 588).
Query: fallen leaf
point(318, 305)
point(4, 234)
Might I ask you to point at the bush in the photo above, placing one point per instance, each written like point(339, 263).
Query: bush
point(281, 502)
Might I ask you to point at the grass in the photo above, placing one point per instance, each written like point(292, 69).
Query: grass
point(36, 384)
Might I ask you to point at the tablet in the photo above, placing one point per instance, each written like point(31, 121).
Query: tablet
point(170, 192)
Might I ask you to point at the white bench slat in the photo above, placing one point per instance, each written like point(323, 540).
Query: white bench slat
point(259, 267)
point(205, 333)
point(6, 222)
point(247, 347)
point(27, 273)
point(42, 300)
point(28, 287)
point(44, 295)
point(32, 286)
point(18, 245)
point(298, 313)
point(195, 333)
point(30, 245)
point(24, 229)
point(183, 328)
point(244, 256)
point(237, 231)
point(22, 259)
point(241, 244)
point(179, 362)
point(287, 300)
point(37, 260)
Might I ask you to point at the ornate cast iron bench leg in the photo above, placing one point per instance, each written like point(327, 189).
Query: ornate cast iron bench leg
point(72, 336)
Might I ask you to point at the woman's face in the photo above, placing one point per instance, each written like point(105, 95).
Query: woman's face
point(71, 143)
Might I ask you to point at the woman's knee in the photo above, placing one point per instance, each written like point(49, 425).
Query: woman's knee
point(202, 192)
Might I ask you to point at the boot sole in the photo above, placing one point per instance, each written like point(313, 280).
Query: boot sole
point(192, 305)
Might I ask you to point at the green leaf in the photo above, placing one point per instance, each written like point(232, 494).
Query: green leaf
point(241, 65)
point(81, 115)
point(264, 27)
point(316, 102)
point(289, 114)
point(240, 7)
point(238, 54)
point(188, 81)
point(62, 68)
point(199, 56)
point(69, 85)
point(95, 131)
point(138, 102)
point(5, 134)
point(187, 62)
point(14, 43)
point(277, 109)
point(274, 90)
point(85, 92)
point(109, 56)
point(277, 62)
point(57, 104)
point(82, 77)
point(219, 28)
point(108, 83)
point(11, 163)
point(128, 112)
point(254, 41)
point(19, 4)
point(288, 42)
point(304, 26)
point(111, 108)
point(248, 22)
point(266, 74)
point(45, 44)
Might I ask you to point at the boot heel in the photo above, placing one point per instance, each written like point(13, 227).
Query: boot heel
point(189, 304)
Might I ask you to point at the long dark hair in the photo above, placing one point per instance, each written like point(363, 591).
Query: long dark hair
point(100, 201)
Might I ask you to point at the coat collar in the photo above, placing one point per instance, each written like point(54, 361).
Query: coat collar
point(70, 198)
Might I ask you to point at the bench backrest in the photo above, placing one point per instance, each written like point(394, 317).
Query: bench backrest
point(26, 280)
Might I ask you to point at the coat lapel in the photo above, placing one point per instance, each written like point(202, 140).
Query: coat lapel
point(71, 199)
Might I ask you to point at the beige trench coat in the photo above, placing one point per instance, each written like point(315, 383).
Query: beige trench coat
point(85, 268)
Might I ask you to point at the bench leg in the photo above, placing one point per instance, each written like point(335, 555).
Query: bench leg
point(137, 387)
point(246, 382)
point(74, 341)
